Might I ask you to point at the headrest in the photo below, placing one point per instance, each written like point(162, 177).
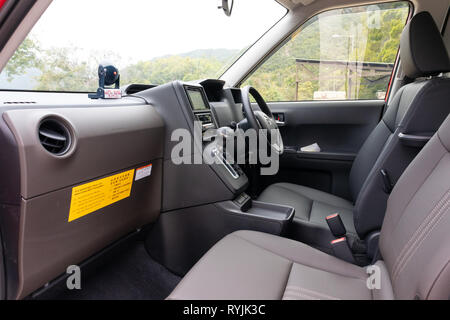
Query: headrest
point(422, 49)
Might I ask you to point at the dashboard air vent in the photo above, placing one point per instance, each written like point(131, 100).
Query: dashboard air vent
point(54, 137)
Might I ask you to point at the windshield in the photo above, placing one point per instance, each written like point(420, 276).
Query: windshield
point(151, 42)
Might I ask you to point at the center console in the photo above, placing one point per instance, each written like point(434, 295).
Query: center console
point(202, 202)
point(230, 173)
point(182, 237)
point(271, 218)
point(268, 217)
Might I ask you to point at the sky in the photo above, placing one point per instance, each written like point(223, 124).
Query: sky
point(145, 29)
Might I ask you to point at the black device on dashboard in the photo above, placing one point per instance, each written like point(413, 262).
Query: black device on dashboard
point(200, 106)
point(108, 75)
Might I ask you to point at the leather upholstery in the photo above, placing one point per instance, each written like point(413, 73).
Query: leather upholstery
point(311, 208)
point(422, 50)
point(417, 108)
point(415, 245)
point(415, 239)
point(253, 265)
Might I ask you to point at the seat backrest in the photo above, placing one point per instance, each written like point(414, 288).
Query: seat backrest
point(415, 238)
point(418, 108)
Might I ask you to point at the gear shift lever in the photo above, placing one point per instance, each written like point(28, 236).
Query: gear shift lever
point(223, 136)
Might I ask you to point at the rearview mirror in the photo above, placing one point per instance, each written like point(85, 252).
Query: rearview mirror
point(227, 7)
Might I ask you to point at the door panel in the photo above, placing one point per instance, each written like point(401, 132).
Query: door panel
point(338, 127)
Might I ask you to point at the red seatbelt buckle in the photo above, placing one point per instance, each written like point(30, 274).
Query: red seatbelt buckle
point(336, 225)
point(342, 250)
point(338, 240)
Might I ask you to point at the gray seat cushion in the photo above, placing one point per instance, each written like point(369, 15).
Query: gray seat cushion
point(311, 208)
point(252, 265)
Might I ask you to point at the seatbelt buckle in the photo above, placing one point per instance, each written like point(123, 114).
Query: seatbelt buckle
point(336, 225)
point(342, 250)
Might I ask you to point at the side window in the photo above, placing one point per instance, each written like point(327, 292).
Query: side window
point(343, 54)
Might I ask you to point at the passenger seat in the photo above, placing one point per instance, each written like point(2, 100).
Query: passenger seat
point(414, 246)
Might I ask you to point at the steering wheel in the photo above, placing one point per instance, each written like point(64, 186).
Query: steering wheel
point(263, 119)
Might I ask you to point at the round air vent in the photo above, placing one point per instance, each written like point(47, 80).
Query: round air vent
point(54, 136)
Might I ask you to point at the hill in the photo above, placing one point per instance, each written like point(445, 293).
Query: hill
point(222, 55)
point(198, 64)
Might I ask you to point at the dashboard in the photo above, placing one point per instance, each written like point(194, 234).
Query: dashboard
point(214, 105)
point(200, 107)
point(226, 103)
point(181, 104)
point(60, 152)
point(57, 144)
point(211, 103)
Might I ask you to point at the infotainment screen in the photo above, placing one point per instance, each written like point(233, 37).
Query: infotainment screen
point(197, 100)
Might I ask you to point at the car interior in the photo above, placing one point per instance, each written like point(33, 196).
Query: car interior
point(117, 182)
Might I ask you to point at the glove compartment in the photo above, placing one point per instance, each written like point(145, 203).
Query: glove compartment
point(108, 145)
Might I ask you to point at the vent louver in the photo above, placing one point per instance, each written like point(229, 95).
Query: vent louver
point(54, 137)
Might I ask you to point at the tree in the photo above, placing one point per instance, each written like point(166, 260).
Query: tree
point(162, 70)
point(333, 37)
point(24, 58)
point(60, 71)
point(63, 69)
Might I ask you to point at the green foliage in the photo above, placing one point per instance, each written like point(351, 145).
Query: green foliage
point(162, 70)
point(23, 59)
point(345, 36)
point(60, 71)
point(198, 64)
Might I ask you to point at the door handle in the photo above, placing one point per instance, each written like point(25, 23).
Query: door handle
point(279, 119)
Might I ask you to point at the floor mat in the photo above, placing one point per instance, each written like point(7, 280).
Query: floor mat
point(132, 275)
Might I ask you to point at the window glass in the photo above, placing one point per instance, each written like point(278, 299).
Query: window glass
point(149, 41)
point(337, 55)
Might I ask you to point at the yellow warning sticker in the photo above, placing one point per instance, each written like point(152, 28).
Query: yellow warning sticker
point(98, 194)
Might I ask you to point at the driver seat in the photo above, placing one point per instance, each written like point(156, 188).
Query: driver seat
point(311, 209)
point(418, 108)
